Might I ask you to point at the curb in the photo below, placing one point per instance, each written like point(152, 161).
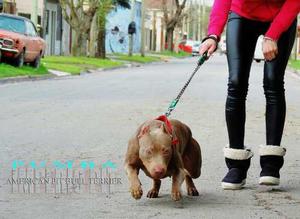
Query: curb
point(94, 71)
point(25, 78)
point(126, 65)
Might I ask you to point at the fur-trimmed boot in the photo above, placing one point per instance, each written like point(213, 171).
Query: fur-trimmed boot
point(238, 163)
point(271, 161)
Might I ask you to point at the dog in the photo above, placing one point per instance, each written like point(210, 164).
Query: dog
point(162, 148)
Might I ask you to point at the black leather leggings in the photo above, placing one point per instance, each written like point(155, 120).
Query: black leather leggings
point(241, 37)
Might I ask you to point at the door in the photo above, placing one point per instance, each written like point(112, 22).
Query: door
point(29, 55)
point(33, 46)
point(51, 24)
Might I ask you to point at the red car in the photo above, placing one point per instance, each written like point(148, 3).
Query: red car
point(186, 46)
point(19, 41)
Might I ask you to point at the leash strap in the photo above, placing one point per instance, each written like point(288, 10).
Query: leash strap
point(174, 102)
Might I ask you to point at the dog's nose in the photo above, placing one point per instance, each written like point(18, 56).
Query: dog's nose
point(159, 171)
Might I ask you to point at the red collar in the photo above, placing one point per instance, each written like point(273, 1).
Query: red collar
point(169, 127)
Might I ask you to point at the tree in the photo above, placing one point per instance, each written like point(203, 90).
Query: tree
point(105, 6)
point(172, 19)
point(79, 15)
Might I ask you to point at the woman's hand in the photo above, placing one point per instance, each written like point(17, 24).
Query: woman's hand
point(208, 45)
point(270, 49)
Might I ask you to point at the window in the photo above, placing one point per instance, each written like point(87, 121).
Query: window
point(30, 29)
point(25, 15)
point(12, 24)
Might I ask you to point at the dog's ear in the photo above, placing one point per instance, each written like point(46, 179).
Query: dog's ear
point(132, 154)
point(143, 131)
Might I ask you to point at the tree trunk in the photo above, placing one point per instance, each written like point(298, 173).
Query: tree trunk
point(77, 43)
point(176, 43)
point(101, 52)
point(93, 38)
point(170, 32)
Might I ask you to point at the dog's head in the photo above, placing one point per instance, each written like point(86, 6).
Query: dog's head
point(155, 148)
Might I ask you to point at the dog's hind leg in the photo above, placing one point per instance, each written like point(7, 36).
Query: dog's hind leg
point(153, 193)
point(192, 159)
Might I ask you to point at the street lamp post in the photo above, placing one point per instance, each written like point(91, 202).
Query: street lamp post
point(131, 35)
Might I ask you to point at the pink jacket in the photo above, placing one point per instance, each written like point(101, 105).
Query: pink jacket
point(280, 13)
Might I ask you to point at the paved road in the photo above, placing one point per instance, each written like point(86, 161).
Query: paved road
point(91, 117)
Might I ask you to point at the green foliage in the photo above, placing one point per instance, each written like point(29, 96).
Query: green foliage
point(137, 58)
point(106, 5)
point(295, 64)
point(174, 54)
point(75, 65)
point(122, 3)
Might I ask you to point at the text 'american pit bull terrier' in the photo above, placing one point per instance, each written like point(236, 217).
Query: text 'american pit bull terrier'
point(163, 148)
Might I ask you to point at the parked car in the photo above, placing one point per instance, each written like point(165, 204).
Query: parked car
point(196, 48)
point(258, 54)
point(222, 45)
point(19, 41)
point(186, 45)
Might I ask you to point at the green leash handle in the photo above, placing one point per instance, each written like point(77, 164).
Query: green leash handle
point(174, 102)
point(202, 59)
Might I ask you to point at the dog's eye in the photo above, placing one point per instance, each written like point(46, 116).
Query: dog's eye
point(166, 151)
point(148, 152)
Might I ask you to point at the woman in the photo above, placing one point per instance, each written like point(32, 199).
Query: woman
point(247, 20)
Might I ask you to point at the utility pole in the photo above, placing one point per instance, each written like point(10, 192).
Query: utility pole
point(143, 29)
point(34, 11)
point(131, 35)
point(203, 18)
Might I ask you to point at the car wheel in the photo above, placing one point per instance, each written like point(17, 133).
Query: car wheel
point(37, 62)
point(20, 60)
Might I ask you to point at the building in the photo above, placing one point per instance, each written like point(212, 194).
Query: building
point(1, 5)
point(118, 20)
point(154, 25)
point(51, 25)
point(57, 31)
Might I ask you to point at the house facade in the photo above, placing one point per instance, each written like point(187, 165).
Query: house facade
point(57, 31)
point(155, 27)
point(118, 20)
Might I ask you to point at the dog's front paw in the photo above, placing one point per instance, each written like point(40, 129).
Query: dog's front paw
point(153, 193)
point(136, 192)
point(176, 195)
point(192, 191)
